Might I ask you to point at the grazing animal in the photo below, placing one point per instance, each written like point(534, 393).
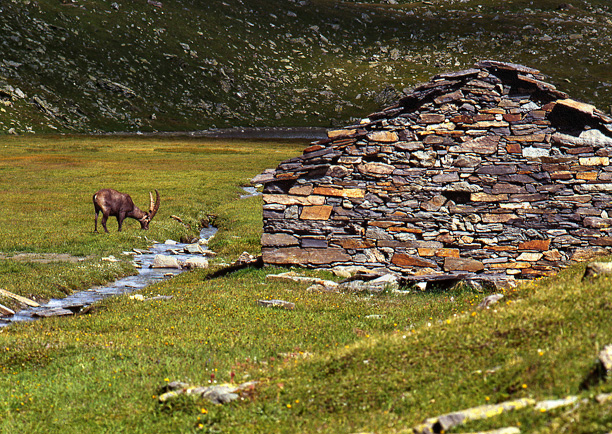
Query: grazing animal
point(120, 205)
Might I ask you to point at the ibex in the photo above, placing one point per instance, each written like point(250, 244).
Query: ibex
point(120, 205)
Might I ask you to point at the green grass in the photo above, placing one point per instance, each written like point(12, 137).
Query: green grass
point(337, 363)
point(47, 185)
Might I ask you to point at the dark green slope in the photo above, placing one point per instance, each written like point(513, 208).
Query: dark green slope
point(103, 65)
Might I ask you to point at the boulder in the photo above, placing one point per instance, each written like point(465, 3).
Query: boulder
point(164, 261)
point(596, 269)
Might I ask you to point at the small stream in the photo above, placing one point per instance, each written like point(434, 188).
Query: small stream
point(146, 276)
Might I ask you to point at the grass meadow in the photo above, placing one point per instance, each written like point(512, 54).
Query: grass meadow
point(338, 363)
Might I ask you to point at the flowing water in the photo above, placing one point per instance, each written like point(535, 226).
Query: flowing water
point(146, 276)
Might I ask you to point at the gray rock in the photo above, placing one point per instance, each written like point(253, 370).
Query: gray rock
point(605, 357)
point(163, 261)
point(47, 313)
point(198, 262)
point(194, 249)
point(596, 269)
point(591, 137)
point(277, 304)
point(490, 300)
point(533, 152)
point(387, 282)
point(555, 403)
point(5, 311)
point(217, 394)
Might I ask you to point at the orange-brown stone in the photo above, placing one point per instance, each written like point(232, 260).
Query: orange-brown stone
point(405, 260)
point(508, 117)
point(528, 138)
point(313, 148)
point(540, 245)
point(440, 253)
point(463, 264)
point(301, 190)
point(286, 199)
point(383, 136)
point(355, 243)
point(316, 212)
point(407, 230)
point(514, 148)
point(336, 134)
point(341, 192)
point(485, 197)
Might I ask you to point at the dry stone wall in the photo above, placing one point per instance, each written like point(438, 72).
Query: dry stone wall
point(488, 171)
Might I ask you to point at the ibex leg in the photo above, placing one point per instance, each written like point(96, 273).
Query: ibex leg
point(104, 218)
point(120, 219)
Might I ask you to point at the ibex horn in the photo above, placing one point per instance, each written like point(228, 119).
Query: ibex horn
point(154, 207)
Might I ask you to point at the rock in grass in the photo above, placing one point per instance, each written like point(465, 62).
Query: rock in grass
point(603, 398)
point(386, 282)
point(198, 262)
point(555, 403)
point(276, 303)
point(20, 299)
point(218, 394)
point(506, 430)
point(47, 313)
point(490, 300)
point(605, 357)
point(596, 269)
point(450, 420)
point(320, 287)
point(291, 276)
point(110, 258)
point(5, 311)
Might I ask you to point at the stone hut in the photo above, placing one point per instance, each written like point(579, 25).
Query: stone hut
point(487, 172)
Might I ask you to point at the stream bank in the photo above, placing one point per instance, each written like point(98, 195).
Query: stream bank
point(147, 275)
point(143, 260)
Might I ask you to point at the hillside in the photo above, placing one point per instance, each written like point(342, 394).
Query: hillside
point(144, 65)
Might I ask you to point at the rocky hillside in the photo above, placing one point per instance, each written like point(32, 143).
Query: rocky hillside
point(148, 65)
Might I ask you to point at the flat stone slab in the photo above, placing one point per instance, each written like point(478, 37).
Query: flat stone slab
point(44, 258)
point(277, 304)
point(217, 394)
point(52, 312)
point(447, 421)
point(5, 311)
